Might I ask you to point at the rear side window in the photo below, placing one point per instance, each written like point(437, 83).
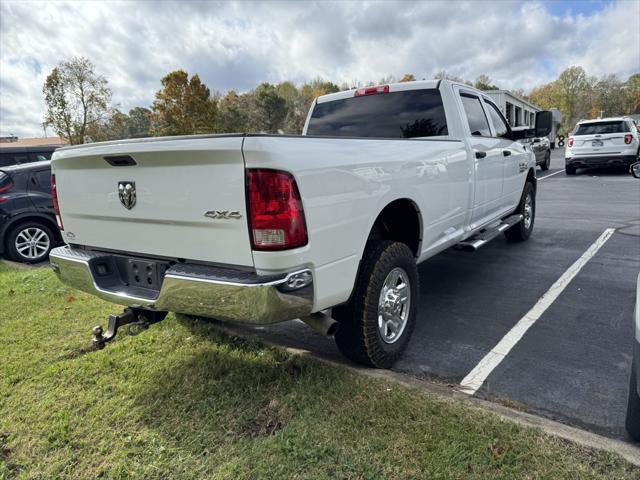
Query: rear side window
point(406, 114)
point(41, 156)
point(7, 159)
point(476, 118)
point(602, 127)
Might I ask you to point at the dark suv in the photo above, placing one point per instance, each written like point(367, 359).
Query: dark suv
point(28, 227)
point(19, 155)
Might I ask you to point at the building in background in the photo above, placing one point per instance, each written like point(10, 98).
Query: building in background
point(517, 111)
point(520, 113)
point(13, 141)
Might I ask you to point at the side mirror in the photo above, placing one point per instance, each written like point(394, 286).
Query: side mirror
point(544, 123)
point(635, 169)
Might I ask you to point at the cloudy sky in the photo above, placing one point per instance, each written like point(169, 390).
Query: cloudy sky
point(238, 45)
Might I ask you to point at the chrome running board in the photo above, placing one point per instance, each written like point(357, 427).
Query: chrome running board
point(483, 237)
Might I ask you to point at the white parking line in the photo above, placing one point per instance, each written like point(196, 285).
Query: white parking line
point(550, 175)
point(474, 380)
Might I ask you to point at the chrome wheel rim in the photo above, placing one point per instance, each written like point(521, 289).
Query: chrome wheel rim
point(394, 305)
point(32, 243)
point(528, 211)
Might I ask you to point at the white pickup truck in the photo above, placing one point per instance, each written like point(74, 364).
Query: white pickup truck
point(326, 227)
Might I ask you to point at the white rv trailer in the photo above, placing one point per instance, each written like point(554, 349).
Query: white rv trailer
point(521, 113)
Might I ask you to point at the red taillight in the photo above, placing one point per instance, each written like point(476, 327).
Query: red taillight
point(276, 218)
point(570, 142)
point(361, 92)
point(56, 207)
point(628, 139)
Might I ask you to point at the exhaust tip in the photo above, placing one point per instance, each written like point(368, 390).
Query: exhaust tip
point(322, 323)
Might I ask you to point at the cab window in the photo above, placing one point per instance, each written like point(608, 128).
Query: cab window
point(476, 118)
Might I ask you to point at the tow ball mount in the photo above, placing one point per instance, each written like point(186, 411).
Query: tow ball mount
point(141, 317)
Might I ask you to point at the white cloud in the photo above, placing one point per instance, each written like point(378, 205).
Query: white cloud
point(238, 45)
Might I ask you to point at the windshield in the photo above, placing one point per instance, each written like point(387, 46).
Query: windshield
point(405, 114)
point(602, 127)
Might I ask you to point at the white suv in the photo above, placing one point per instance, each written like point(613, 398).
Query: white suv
point(605, 142)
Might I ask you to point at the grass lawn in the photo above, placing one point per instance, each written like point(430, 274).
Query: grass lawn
point(183, 400)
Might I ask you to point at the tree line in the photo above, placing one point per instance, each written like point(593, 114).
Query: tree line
point(79, 107)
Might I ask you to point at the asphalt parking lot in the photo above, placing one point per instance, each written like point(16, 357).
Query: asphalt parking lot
point(573, 363)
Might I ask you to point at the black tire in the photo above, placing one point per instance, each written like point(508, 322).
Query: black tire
point(521, 231)
point(358, 336)
point(632, 421)
point(569, 170)
point(547, 162)
point(30, 229)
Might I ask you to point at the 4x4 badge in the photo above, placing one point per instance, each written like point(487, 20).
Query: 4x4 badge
point(127, 194)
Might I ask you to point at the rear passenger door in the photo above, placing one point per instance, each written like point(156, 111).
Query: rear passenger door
point(40, 190)
point(488, 159)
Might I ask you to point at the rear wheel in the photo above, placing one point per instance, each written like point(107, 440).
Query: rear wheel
point(633, 407)
point(30, 242)
point(376, 325)
point(569, 170)
point(521, 231)
point(547, 162)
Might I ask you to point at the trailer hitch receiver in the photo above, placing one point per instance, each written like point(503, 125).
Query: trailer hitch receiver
point(142, 317)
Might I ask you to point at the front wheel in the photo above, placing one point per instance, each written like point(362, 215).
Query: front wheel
point(375, 326)
point(521, 231)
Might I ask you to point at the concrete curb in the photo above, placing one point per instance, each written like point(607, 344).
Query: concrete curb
point(627, 451)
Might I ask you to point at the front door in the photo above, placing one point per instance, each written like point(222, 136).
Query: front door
point(514, 158)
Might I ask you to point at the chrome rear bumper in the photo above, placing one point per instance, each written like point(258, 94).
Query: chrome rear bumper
point(213, 292)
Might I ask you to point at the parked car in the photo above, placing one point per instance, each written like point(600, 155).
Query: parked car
point(541, 148)
point(28, 228)
point(606, 142)
point(633, 402)
point(326, 227)
point(19, 155)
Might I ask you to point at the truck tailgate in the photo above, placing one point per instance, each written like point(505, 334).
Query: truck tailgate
point(176, 182)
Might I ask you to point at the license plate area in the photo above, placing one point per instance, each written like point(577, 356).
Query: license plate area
point(145, 274)
point(597, 143)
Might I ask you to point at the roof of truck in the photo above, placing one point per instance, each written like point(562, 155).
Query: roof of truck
point(393, 87)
